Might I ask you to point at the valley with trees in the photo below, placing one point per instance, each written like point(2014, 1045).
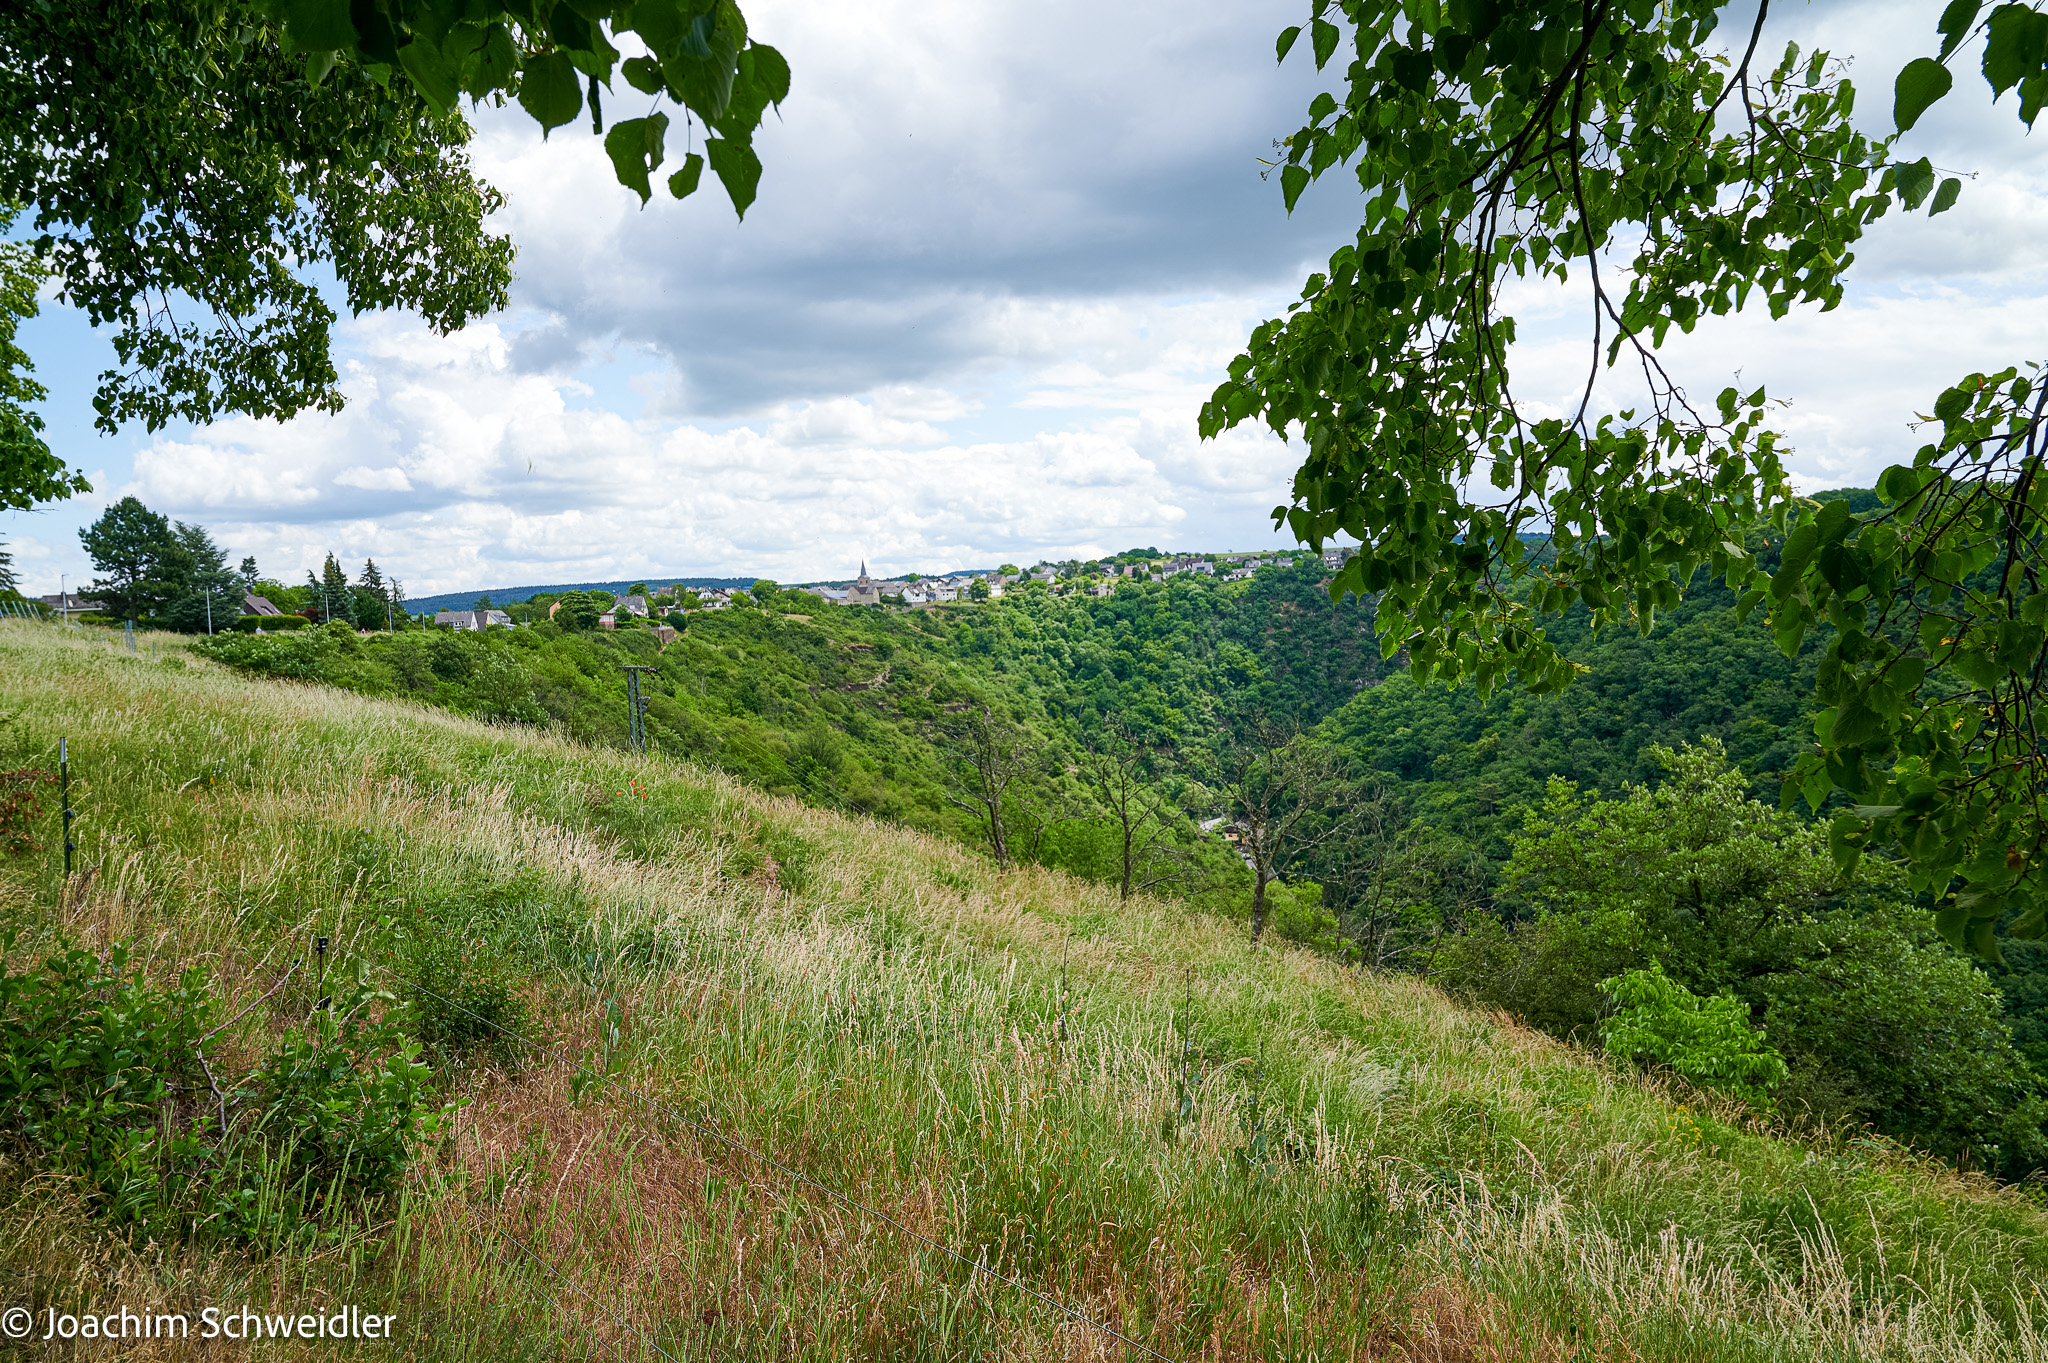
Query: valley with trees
point(1597, 914)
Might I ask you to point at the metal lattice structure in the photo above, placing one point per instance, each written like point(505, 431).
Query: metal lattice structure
point(636, 706)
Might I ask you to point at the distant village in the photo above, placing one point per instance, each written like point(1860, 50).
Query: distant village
point(266, 607)
point(1089, 577)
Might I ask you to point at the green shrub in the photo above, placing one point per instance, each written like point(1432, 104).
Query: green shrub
point(102, 1078)
point(1877, 1019)
point(92, 1055)
point(459, 956)
point(308, 656)
point(1708, 1041)
point(1296, 913)
point(339, 1103)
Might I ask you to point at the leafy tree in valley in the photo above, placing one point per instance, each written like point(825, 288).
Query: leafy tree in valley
point(1460, 760)
point(1497, 141)
point(143, 567)
point(1708, 1042)
point(1282, 790)
point(1394, 884)
point(1124, 778)
point(576, 610)
point(1878, 1018)
point(995, 762)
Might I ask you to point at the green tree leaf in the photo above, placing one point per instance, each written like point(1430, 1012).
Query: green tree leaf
point(1856, 724)
point(1922, 82)
point(1293, 180)
point(1285, 44)
point(771, 72)
point(1945, 197)
point(1915, 182)
point(2015, 44)
point(491, 64)
point(319, 25)
point(1324, 36)
point(683, 183)
point(1955, 22)
point(635, 147)
point(432, 74)
point(644, 75)
point(738, 169)
point(551, 90)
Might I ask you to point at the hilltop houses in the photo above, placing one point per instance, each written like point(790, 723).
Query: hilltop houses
point(477, 620)
point(68, 604)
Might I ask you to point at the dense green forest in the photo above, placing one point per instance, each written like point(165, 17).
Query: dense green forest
point(1127, 732)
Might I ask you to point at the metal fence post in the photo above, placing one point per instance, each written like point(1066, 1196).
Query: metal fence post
point(636, 706)
point(64, 786)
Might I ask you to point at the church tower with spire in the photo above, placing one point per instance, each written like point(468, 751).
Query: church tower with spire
point(863, 592)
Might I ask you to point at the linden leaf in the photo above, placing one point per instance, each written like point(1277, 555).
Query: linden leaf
point(432, 74)
point(1955, 23)
point(644, 75)
point(319, 25)
point(2015, 41)
point(737, 168)
point(1915, 182)
point(683, 183)
point(550, 90)
point(1324, 36)
point(1924, 81)
point(635, 147)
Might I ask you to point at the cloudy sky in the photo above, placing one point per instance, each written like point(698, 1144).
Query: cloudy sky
point(1001, 253)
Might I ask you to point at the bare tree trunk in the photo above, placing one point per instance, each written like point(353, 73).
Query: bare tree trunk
point(1130, 852)
point(995, 756)
point(1259, 878)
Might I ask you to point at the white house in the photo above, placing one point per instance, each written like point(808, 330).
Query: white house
point(478, 620)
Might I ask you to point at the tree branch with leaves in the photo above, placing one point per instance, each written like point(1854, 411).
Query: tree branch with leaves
point(1560, 139)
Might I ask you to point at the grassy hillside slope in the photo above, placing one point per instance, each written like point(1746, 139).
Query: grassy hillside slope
point(1221, 1151)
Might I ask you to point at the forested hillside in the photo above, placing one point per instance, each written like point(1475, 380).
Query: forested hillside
point(1244, 746)
point(851, 708)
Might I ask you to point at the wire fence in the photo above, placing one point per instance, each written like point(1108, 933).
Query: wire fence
point(731, 1143)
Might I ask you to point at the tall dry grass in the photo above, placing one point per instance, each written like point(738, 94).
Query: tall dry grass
point(1221, 1151)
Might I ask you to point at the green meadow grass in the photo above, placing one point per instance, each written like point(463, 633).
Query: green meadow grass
point(1218, 1150)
